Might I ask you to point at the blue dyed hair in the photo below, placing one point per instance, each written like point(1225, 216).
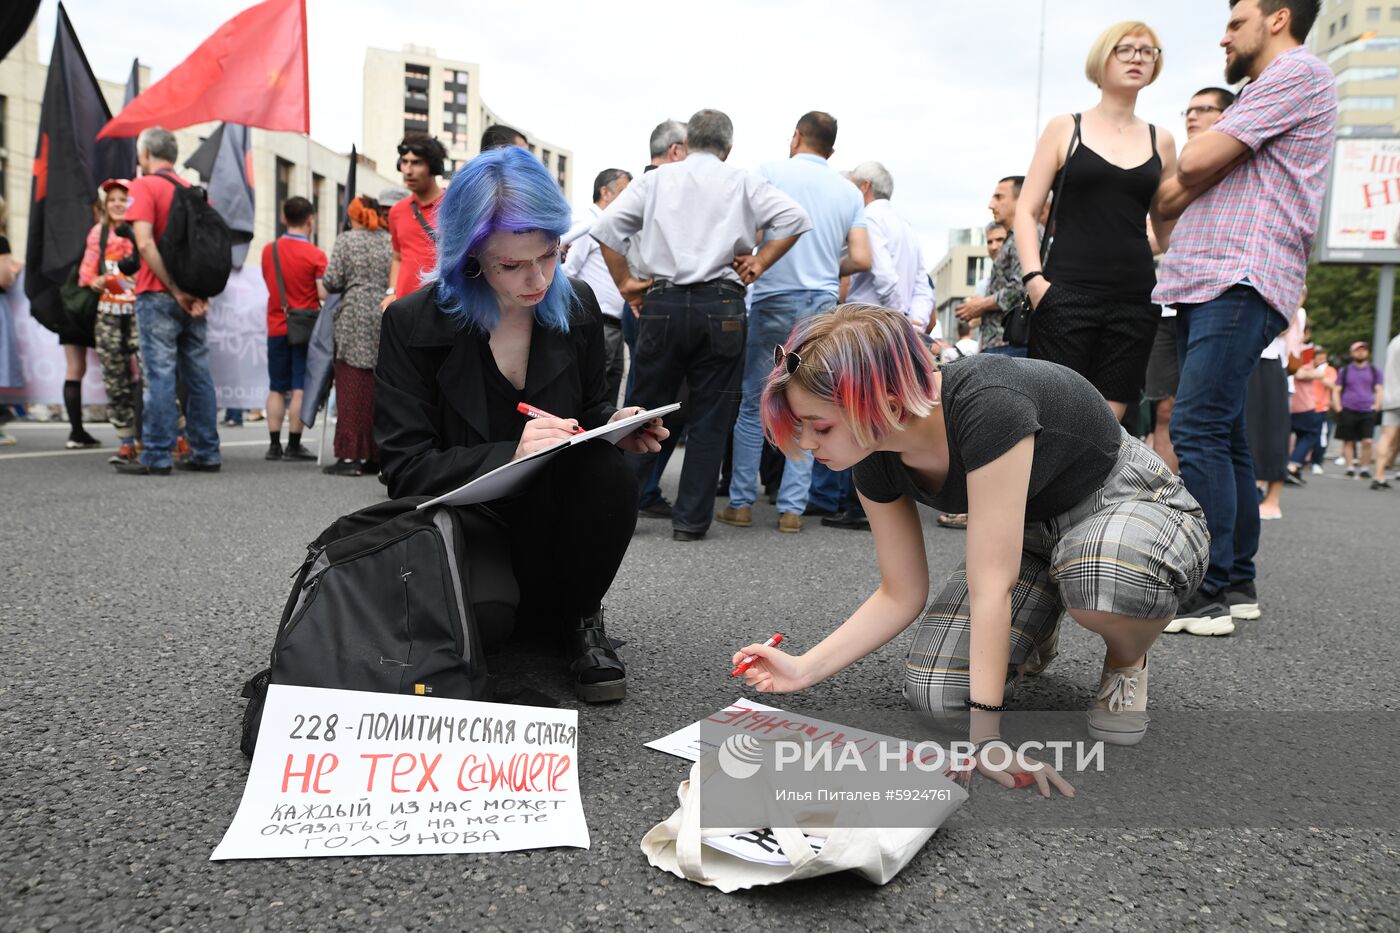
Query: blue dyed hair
point(504, 189)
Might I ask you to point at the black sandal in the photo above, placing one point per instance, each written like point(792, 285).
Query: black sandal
point(599, 675)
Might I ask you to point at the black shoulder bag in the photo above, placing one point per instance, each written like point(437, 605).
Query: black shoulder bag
point(300, 321)
point(1017, 328)
point(423, 222)
point(80, 301)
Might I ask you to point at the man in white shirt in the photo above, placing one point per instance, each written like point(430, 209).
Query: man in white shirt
point(803, 283)
point(898, 278)
point(693, 226)
point(586, 262)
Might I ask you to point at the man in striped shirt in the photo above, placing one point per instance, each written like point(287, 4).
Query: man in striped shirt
point(1248, 193)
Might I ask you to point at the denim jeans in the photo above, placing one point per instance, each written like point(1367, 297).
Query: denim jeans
point(173, 346)
point(1009, 350)
point(1218, 344)
point(1307, 426)
point(693, 334)
point(770, 322)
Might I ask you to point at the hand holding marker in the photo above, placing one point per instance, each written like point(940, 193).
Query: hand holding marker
point(748, 660)
point(530, 411)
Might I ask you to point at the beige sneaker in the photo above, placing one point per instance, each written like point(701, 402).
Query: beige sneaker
point(789, 522)
point(741, 517)
point(1119, 714)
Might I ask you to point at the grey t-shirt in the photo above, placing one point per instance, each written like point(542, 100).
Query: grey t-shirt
point(990, 402)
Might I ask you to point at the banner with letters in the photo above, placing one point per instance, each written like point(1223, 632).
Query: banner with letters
point(345, 772)
point(237, 336)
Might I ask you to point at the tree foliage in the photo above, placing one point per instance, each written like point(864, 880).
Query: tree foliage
point(1341, 305)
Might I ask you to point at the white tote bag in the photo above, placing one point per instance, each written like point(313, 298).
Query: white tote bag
point(677, 845)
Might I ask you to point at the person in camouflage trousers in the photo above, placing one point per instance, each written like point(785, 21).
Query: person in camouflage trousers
point(110, 275)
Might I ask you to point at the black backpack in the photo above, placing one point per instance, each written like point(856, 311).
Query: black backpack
point(196, 245)
point(389, 600)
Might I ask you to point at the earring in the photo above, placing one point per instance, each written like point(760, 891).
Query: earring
point(471, 269)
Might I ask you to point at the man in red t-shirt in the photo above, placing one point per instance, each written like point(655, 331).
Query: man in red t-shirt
point(303, 265)
point(413, 221)
point(171, 326)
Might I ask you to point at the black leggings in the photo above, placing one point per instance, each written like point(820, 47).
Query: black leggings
point(568, 535)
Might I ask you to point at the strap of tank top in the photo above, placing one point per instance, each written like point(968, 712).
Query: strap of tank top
point(1152, 131)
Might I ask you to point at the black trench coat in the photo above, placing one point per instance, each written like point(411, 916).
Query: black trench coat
point(430, 417)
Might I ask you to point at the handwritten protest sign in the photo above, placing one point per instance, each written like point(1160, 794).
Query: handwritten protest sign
point(345, 772)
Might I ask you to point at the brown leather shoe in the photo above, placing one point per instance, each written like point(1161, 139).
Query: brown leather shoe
point(741, 517)
point(789, 522)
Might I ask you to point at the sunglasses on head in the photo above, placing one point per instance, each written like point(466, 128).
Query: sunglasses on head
point(786, 359)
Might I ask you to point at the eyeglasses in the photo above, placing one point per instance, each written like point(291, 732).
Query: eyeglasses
point(1127, 53)
point(1202, 110)
point(785, 359)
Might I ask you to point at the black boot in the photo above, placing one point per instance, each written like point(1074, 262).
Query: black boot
point(599, 675)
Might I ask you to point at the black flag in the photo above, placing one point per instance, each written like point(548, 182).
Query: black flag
point(69, 165)
point(349, 191)
point(222, 164)
point(15, 17)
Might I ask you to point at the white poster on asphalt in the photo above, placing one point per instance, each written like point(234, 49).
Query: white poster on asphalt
point(345, 772)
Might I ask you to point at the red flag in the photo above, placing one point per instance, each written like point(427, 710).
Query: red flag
point(253, 71)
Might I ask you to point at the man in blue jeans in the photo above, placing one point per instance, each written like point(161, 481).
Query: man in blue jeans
point(1248, 193)
point(693, 225)
point(171, 325)
point(803, 283)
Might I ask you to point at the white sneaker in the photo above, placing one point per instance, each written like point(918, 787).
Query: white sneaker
point(1340, 461)
point(1317, 469)
point(1200, 615)
point(6, 439)
point(1119, 713)
point(1174, 626)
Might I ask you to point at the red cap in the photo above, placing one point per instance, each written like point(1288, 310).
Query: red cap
point(109, 184)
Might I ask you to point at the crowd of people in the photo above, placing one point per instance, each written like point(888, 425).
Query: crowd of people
point(1134, 289)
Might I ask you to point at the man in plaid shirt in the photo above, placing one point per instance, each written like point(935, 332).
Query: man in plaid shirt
point(1249, 196)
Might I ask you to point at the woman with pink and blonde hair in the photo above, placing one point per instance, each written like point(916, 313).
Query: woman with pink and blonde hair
point(1066, 513)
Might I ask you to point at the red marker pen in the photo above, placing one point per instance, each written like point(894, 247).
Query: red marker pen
point(530, 411)
point(748, 660)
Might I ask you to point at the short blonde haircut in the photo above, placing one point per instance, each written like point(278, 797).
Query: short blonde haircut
point(1102, 48)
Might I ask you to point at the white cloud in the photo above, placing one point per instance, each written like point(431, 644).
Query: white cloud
point(943, 93)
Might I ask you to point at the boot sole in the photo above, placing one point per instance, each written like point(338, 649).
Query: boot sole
point(1117, 738)
point(1209, 626)
point(607, 691)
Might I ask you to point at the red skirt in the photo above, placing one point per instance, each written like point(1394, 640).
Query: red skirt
point(354, 427)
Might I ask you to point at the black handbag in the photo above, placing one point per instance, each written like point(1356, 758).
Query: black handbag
point(80, 302)
point(300, 321)
point(1017, 327)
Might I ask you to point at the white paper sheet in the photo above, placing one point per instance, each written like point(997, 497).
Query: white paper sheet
point(515, 475)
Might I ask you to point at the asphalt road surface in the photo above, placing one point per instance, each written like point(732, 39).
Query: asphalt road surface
point(133, 608)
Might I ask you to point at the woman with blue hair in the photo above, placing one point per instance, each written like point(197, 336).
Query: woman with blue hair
point(495, 325)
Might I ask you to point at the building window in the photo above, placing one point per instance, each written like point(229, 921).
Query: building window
point(341, 203)
point(1373, 14)
point(1395, 14)
point(1344, 21)
point(1368, 74)
point(1366, 103)
point(283, 188)
point(563, 170)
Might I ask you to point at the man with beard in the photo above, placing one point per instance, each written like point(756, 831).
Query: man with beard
point(1248, 193)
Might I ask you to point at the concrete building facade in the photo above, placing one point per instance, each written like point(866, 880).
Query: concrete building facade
point(416, 91)
point(957, 274)
point(1360, 40)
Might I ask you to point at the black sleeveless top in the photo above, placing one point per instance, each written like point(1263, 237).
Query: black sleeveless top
point(1100, 243)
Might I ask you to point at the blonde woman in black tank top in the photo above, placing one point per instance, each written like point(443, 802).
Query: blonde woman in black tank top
point(1093, 297)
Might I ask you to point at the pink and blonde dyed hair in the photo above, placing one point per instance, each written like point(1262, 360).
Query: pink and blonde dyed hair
point(867, 361)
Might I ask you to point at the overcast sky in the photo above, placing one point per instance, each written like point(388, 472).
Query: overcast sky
point(943, 93)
